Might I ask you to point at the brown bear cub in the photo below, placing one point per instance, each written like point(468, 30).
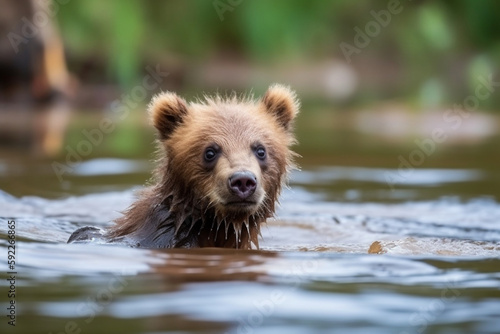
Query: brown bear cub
point(223, 161)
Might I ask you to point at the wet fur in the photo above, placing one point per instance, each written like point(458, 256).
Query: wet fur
point(183, 208)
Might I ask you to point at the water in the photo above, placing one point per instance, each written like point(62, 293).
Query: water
point(346, 254)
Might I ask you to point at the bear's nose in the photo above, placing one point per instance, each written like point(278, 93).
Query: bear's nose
point(243, 184)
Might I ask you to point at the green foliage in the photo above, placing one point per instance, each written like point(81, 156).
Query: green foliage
point(432, 39)
point(126, 31)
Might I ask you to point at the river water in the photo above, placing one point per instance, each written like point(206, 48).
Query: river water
point(347, 253)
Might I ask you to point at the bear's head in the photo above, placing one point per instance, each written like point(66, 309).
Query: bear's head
point(229, 156)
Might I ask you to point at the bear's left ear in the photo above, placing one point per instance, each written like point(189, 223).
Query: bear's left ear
point(167, 111)
point(281, 102)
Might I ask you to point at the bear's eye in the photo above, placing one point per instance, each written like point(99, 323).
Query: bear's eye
point(210, 154)
point(260, 152)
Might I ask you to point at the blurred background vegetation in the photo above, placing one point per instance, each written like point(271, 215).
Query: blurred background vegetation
point(430, 53)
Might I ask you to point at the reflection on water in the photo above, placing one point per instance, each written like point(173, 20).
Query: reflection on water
point(436, 268)
point(417, 177)
point(110, 166)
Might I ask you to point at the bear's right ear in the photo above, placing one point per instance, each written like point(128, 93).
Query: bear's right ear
point(167, 111)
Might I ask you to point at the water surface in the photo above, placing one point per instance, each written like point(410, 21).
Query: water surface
point(345, 253)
